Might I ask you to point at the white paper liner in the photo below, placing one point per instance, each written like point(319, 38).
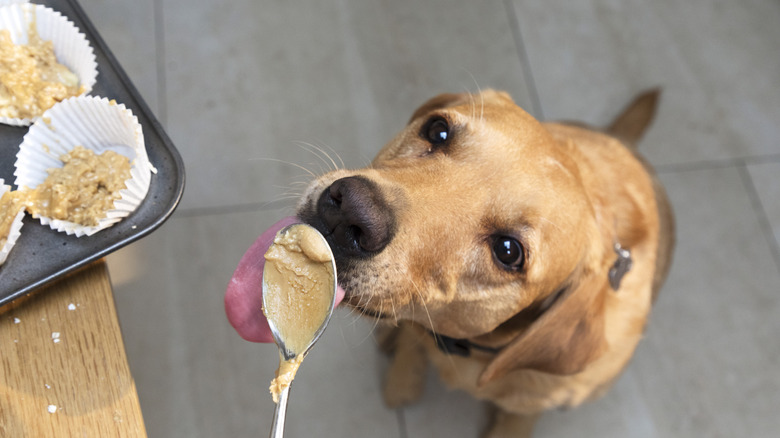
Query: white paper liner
point(94, 123)
point(70, 45)
point(16, 227)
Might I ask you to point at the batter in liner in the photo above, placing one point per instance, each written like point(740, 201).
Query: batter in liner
point(31, 79)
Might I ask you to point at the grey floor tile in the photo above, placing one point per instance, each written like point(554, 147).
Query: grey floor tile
point(196, 377)
point(622, 413)
point(337, 393)
point(128, 28)
point(443, 413)
point(708, 365)
point(245, 83)
point(715, 65)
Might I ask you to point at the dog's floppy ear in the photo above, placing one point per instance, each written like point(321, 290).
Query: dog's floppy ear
point(437, 102)
point(565, 338)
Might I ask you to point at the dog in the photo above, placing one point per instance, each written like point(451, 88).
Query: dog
point(520, 258)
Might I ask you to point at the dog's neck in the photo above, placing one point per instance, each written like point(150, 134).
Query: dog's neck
point(501, 336)
point(507, 331)
point(517, 324)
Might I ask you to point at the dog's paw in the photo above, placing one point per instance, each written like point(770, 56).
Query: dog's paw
point(404, 382)
point(405, 378)
point(507, 425)
point(386, 337)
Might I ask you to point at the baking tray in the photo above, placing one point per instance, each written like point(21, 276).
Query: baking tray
point(42, 255)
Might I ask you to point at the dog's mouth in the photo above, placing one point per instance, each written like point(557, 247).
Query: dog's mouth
point(365, 311)
point(357, 220)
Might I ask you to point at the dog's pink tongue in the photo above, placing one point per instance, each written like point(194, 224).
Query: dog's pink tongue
point(244, 295)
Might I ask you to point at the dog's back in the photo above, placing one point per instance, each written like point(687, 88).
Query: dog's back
point(629, 127)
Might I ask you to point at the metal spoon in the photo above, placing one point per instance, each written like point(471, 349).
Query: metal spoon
point(280, 412)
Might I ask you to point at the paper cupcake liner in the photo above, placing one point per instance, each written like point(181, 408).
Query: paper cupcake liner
point(70, 45)
point(16, 227)
point(94, 123)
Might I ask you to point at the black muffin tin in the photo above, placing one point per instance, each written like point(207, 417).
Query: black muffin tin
point(42, 255)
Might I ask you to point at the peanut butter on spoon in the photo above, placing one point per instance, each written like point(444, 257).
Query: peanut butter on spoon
point(299, 292)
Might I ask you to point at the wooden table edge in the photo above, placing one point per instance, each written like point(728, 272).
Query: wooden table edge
point(64, 369)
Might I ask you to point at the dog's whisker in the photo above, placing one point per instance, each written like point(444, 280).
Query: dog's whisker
point(354, 313)
point(370, 331)
point(354, 316)
point(425, 306)
point(338, 156)
point(376, 322)
point(395, 314)
point(286, 194)
point(282, 198)
point(310, 148)
point(471, 96)
point(472, 103)
point(287, 188)
point(319, 153)
point(322, 147)
point(299, 185)
point(362, 297)
point(482, 105)
point(289, 193)
point(361, 305)
point(412, 304)
point(550, 222)
point(481, 98)
point(433, 328)
point(302, 186)
point(289, 163)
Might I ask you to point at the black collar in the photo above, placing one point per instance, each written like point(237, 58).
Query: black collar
point(463, 347)
point(460, 347)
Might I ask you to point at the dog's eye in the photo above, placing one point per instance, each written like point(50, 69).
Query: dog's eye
point(436, 131)
point(509, 252)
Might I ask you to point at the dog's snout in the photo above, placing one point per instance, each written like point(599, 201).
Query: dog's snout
point(356, 216)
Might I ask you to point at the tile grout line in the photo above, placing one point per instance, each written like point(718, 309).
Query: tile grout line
point(758, 208)
point(716, 164)
point(514, 26)
point(663, 169)
point(159, 38)
point(697, 166)
point(230, 209)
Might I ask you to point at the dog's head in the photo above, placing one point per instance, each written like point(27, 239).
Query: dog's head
point(473, 221)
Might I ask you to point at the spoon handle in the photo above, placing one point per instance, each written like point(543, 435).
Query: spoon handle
point(280, 412)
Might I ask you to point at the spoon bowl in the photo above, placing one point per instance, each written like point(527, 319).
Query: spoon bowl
point(295, 337)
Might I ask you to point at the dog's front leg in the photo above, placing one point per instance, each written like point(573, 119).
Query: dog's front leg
point(405, 378)
point(510, 425)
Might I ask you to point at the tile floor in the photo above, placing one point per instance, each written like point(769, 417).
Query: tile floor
point(241, 85)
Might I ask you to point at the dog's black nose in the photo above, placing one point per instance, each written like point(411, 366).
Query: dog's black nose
point(357, 217)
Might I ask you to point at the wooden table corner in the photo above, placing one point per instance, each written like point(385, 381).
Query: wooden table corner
point(64, 367)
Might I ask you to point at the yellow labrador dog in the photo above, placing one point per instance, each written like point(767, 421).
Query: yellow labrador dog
point(520, 258)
